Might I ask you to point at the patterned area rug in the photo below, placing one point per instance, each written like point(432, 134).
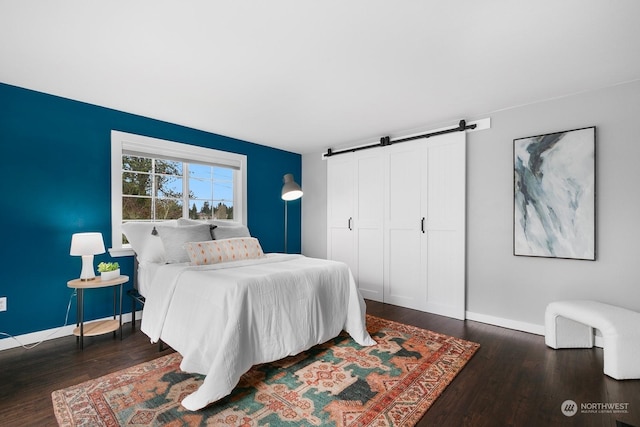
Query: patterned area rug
point(338, 383)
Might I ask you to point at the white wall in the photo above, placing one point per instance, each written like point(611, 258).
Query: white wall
point(519, 288)
point(314, 206)
point(513, 291)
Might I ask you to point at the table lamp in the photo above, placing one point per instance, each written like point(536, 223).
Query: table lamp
point(87, 245)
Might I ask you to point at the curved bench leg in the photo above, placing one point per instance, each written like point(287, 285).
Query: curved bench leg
point(562, 332)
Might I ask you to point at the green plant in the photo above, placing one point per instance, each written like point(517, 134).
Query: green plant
point(108, 266)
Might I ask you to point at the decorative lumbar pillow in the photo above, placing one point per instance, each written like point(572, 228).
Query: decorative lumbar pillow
point(216, 251)
point(148, 247)
point(174, 239)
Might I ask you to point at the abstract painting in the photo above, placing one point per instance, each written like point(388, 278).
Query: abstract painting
point(554, 195)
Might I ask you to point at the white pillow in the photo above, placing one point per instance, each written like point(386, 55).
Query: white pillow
point(216, 251)
point(174, 238)
point(148, 248)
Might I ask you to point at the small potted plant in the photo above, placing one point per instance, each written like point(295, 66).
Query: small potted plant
point(109, 270)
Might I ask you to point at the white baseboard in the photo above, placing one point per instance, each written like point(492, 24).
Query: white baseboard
point(49, 334)
point(36, 337)
point(531, 328)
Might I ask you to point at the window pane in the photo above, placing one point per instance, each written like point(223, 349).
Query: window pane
point(210, 192)
point(168, 167)
point(200, 171)
point(136, 184)
point(201, 189)
point(194, 209)
point(223, 211)
point(200, 209)
point(223, 191)
point(223, 187)
point(139, 164)
point(168, 209)
point(222, 174)
point(136, 208)
point(168, 186)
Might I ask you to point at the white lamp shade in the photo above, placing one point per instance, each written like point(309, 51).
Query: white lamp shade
point(290, 190)
point(87, 244)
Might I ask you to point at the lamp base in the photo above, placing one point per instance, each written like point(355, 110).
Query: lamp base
point(87, 272)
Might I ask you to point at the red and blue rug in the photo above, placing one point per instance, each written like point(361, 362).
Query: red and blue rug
point(338, 383)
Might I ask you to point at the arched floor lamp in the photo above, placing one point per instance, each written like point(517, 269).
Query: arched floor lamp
point(290, 191)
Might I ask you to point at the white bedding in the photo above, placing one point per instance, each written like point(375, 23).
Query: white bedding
point(225, 318)
point(145, 273)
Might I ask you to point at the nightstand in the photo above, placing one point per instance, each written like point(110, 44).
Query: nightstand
point(101, 326)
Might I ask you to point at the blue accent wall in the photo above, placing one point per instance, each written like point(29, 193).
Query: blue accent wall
point(55, 167)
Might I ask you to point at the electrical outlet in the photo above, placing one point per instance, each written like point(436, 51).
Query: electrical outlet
point(3, 304)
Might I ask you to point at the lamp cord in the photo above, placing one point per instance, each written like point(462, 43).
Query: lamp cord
point(66, 319)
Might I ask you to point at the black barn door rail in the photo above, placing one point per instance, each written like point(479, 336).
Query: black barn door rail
point(385, 140)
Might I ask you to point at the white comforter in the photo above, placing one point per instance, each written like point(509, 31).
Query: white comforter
point(225, 318)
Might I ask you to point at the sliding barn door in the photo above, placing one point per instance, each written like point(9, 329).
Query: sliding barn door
point(446, 225)
point(368, 224)
point(425, 225)
point(405, 250)
point(396, 216)
point(355, 213)
point(340, 195)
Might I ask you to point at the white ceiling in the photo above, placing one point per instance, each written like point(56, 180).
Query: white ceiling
point(307, 75)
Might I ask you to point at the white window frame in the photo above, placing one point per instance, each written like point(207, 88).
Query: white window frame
point(144, 146)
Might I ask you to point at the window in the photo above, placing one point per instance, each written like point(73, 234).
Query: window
point(157, 180)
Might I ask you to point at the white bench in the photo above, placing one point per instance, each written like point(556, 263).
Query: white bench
point(569, 324)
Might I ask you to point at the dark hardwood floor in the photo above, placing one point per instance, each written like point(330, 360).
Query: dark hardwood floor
point(513, 379)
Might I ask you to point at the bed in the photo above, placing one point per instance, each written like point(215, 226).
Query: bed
point(217, 299)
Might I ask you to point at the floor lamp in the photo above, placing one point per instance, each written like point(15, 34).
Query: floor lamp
point(290, 191)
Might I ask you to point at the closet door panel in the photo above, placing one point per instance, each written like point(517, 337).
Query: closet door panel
point(445, 276)
point(340, 195)
point(404, 187)
point(368, 224)
point(370, 264)
point(369, 191)
point(446, 183)
point(402, 286)
point(340, 190)
point(403, 247)
point(445, 225)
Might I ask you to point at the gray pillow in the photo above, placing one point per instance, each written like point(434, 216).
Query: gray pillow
point(221, 230)
point(174, 238)
point(187, 222)
point(230, 232)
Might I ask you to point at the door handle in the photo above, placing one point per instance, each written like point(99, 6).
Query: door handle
point(349, 223)
point(422, 225)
